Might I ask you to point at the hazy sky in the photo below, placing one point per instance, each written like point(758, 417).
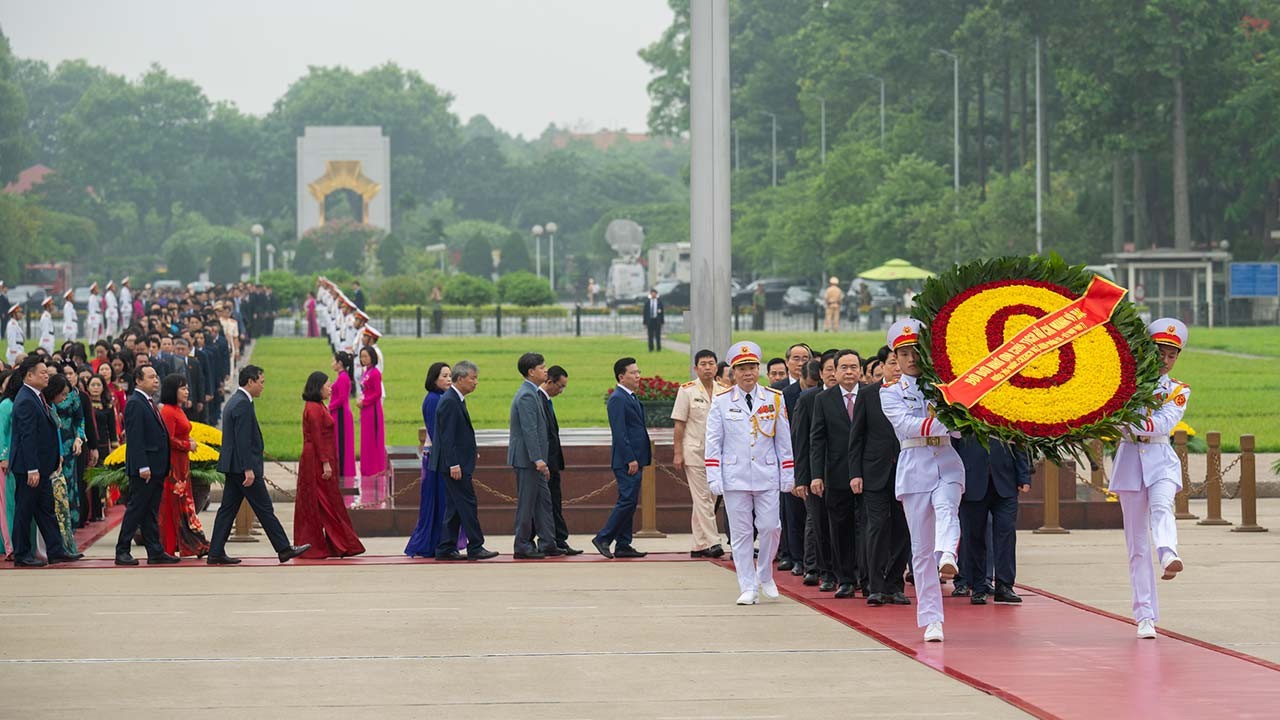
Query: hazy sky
point(522, 63)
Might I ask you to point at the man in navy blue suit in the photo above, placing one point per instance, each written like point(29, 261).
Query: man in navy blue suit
point(34, 458)
point(993, 477)
point(454, 454)
point(146, 462)
point(630, 454)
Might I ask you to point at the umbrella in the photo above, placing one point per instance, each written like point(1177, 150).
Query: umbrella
point(896, 269)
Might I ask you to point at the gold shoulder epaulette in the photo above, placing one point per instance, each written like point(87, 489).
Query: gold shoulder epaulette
point(773, 390)
point(691, 383)
point(721, 392)
point(1176, 381)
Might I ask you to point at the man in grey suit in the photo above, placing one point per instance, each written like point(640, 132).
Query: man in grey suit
point(527, 453)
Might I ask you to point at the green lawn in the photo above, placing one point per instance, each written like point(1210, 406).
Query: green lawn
point(288, 361)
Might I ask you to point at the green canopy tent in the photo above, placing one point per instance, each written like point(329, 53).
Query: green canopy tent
point(896, 269)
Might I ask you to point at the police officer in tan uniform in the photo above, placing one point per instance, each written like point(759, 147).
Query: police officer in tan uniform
point(693, 402)
point(832, 297)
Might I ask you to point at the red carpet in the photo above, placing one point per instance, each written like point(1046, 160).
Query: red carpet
point(590, 557)
point(95, 531)
point(1055, 658)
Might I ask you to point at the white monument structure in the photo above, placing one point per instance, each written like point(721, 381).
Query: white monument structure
point(355, 158)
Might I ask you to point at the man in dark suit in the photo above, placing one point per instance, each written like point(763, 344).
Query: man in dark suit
point(220, 351)
point(817, 535)
point(357, 295)
point(186, 364)
point(454, 454)
point(805, 555)
point(557, 381)
point(993, 477)
point(653, 318)
point(829, 468)
point(34, 458)
point(873, 463)
point(790, 553)
point(146, 463)
point(631, 452)
point(241, 462)
point(527, 453)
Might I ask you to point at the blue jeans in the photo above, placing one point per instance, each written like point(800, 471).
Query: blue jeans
point(619, 525)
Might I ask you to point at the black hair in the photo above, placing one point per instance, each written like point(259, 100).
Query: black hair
point(720, 368)
point(846, 351)
point(169, 388)
point(620, 367)
point(555, 372)
point(774, 361)
point(883, 353)
point(704, 353)
point(812, 370)
point(433, 376)
point(249, 372)
point(6, 375)
point(528, 362)
point(57, 383)
point(315, 383)
point(373, 354)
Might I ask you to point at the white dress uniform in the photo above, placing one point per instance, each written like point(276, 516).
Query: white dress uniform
point(126, 303)
point(1146, 475)
point(70, 323)
point(93, 318)
point(112, 311)
point(749, 461)
point(14, 336)
point(45, 332)
point(929, 481)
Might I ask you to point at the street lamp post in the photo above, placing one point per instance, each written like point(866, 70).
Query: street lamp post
point(256, 231)
point(881, 81)
point(1039, 159)
point(955, 164)
point(537, 248)
point(271, 257)
point(822, 115)
point(773, 152)
point(551, 264)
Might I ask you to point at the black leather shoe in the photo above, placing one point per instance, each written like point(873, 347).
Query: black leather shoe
point(66, 558)
point(701, 553)
point(785, 565)
point(716, 551)
point(602, 548)
point(810, 578)
point(628, 552)
point(293, 551)
point(978, 598)
point(222, 560)
point(899, 599)
point(1005, 594)
point(798, 570)
point(481, 554)
point(565, 549)
point(553, 552)
point(876, 599)
point(846, 590)
point(34, 562)
point(450, 556)
point(827, 585)
point(165, 559)
point(125, 559)
point(535, 555)
point(960, 591)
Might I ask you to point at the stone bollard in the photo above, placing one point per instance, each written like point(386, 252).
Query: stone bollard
point(1213, 480)
point(1097, 461)
point(1248, 488)
point(1180, 510)
point(244, 525)
point(649, 498)
point(1052, 525)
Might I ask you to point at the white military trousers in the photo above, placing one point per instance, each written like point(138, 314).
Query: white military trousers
point(1148, 517)
point(740, 505)
point(934, 522)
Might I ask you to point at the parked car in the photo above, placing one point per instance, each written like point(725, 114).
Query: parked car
point(674, 293)
point(799, 300)
point(881, 298)
point(28, 296)
point(774, 289)
point(200, 286)
point(81, 297)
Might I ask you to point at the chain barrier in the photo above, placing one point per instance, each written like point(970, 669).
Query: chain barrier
point(1194, 489)
point(571, 501)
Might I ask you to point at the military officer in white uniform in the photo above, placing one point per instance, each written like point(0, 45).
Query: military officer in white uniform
point(1146, 476)
point(70, 323)
point(693, 404)
point(45, 329)
point(112, 310)
point(929, 480)
point(14, 335)
point(126, 303)
point(748, 461)
point(93, 320)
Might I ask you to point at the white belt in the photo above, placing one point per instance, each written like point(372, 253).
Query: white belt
point(1151, 440)
point(931, 441)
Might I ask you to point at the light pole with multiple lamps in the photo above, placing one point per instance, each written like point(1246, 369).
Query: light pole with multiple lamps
point(551, 264)
point(257, 231)
point(537, 249)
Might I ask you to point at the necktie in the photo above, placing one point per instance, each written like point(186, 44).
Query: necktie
point(748, 398)
point(848, 405)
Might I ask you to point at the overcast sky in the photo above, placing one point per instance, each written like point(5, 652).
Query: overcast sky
point(521, 63)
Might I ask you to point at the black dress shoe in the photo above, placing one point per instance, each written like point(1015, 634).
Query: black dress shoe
point(451, 556)
point(553, 552)
point(899, 599)
point(701, 553)
point(222, 560)
point(876, 599)
point(978, 598)
point(798, 570)
point(66, 558)
point(827, 585)
point(846, 590)
point(960, 591)
point(35, 562)
point(1005, 594)
point(165, 559)
point(481, 554)
point(810, 578)
point(535, 555)
point(716, 551)
point(627, 551)
point(785, 565)
point(566, 550)
point(125, 559)
point(602, 548)
point(293, 551)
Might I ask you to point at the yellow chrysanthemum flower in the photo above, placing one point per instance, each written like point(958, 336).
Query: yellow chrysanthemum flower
point(115, 458)
point(1182, 425)
point(203, 453)
point(206, 434)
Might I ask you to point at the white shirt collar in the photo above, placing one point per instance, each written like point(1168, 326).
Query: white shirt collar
point(461, 397)
point(246, 394)
point(624, 388)
point(544, 393)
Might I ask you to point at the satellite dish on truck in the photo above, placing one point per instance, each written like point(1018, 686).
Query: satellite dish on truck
point(626, 237)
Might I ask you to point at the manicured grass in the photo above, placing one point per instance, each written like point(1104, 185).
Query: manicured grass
point(288, 361)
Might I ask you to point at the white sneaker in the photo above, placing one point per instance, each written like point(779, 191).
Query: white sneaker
point(748, 598)
point(1172, 566)
point(947, 567)
point(933, 633)
point(1147, 629)
point(770, 590)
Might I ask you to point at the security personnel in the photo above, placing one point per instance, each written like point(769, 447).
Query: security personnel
point(14, 335)
point(126, 303)
point(1147, 475)
point(929, 479)
point(93, 321)
point(45, 332)
point(70, 324)
point(112, 310)
point(832, 297)
point(693, 403)
point(749, 462)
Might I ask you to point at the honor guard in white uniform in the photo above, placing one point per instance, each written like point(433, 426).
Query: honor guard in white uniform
point(70, 324)
point(929, 480)
point(126, 303)
point(14, 335)
point(45, 331)
point(93, 318)
point(693, 404)
point(112, 310)
point(748, 461)
point(1146, 476)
